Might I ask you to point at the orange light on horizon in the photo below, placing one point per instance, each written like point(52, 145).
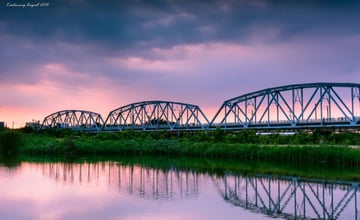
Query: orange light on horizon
point(17, 117)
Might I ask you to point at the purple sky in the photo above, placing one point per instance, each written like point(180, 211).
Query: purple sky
point(98, 56)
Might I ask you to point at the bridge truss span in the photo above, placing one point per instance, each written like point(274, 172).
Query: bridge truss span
point(308, 105)
point(74, 119)
point(156, 115)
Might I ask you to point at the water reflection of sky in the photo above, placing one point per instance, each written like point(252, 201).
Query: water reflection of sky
point(108, 190)
point(33, 192)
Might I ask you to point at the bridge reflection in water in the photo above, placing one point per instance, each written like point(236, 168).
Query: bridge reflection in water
point(141, 181)
point(286, 197)
point(291, 197)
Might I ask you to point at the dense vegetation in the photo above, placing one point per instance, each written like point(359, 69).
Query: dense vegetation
point(10, 142)
point(321, 146)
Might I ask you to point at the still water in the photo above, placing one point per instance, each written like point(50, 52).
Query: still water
point(111, 190)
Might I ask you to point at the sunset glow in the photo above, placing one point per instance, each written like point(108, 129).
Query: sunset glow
point(97, 57)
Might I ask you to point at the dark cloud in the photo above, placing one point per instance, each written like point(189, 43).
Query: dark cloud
point(146, 24)
point(84, 35)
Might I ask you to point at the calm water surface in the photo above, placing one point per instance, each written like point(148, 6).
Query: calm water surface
point(110, 190)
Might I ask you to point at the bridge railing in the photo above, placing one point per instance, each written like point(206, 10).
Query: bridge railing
point(326, 122)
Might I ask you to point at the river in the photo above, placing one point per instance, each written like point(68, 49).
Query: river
point(114, 190)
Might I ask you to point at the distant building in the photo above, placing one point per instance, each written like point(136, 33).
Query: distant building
point(33, 124)
point(2, 125)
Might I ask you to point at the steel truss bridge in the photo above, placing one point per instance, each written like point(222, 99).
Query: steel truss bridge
point(294, 106)
point(157, 115)
point(291, 198)
point(75, 119)
point(298, 106)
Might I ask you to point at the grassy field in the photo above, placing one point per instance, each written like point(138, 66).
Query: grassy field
point(321, 147)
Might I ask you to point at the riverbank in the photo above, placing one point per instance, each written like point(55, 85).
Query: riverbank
point(322, 147)
point(212, 166)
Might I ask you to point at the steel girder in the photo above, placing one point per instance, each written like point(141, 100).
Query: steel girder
point(74, 119)
point(293, 106)
point(157, 115)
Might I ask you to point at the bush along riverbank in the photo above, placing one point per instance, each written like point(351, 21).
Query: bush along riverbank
point(323, 147)
point(10, 142)
point(212, 166)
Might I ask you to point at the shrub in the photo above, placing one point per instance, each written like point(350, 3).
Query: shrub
point(68, 146)
point(218, 135)
point(10, 142)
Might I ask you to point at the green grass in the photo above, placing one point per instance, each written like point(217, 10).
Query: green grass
point(320, 147)
point(342, 155)
point(321, 154)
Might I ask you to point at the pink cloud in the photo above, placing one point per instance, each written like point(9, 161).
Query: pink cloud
point(204, 74)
